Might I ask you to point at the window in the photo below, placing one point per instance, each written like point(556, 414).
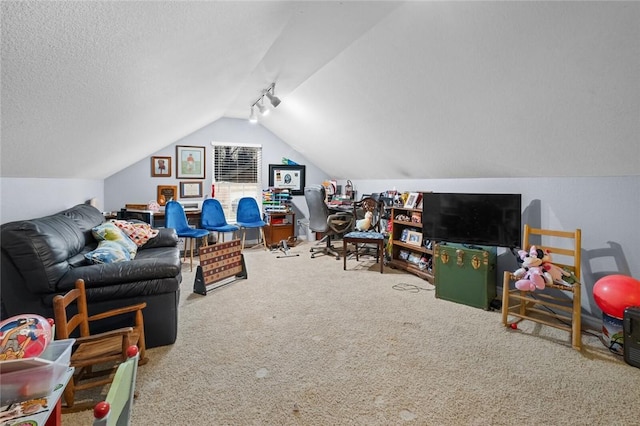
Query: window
point(236, 174)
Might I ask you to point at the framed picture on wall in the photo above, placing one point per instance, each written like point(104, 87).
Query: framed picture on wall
point(190, 162)
point(160, 166)
point(191, 189)
point(289, 177)
point(167, 193)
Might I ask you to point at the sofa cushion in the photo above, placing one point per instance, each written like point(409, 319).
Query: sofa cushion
point(108, 252)
point(110, 232)
point(86, 217)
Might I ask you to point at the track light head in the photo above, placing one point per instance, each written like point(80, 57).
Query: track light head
point(275, 101)
point(263, 110)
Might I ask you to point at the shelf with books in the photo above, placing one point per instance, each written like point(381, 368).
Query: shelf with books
point(409, 250)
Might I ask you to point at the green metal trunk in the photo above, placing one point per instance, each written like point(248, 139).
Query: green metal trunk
point(465, 275)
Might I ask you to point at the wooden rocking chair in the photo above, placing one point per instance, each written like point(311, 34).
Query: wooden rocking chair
point(107, 349)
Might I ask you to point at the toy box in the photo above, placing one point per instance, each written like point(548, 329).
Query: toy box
point(30, 378)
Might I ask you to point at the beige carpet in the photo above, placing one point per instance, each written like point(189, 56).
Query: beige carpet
point(302, 342)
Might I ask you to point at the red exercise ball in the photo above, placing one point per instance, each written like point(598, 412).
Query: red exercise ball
point(615, 293)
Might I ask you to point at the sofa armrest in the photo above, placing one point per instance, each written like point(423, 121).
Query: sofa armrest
point(167, 237)
point(120, 273)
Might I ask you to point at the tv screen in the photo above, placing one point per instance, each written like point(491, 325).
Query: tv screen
point(480, 219)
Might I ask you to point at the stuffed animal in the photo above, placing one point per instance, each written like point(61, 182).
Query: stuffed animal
point(556, 273)
point(364, 224)
point(531, 275)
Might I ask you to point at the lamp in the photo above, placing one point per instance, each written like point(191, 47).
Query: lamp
point(253, 118)
point(275, 101)
point(269, 92)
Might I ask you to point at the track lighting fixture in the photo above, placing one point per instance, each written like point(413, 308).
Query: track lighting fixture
point(259, 103)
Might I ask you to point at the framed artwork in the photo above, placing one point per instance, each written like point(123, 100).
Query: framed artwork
point(190, 162)
point(191, 189)
point(160, 166)
point(289, 177)
point(412, 199)
point(167, 193)
point(414, 238)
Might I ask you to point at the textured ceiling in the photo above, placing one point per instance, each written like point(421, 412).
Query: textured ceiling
point(369, 89)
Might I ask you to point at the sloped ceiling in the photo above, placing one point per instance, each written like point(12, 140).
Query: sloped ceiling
point(370, 90)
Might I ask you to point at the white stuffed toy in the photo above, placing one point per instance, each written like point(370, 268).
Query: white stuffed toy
point(364, 224)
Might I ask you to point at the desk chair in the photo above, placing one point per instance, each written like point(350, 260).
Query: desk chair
point(249, 216)
point(94, 357)
point(372, 235)
point(322, 220)
point(213, 219)
point(176, 218)
point(115, 410)
point(539, 307)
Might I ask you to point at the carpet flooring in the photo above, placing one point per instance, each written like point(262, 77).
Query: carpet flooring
point(302, 342)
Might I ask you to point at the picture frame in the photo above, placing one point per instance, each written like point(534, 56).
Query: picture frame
point(405, 235)
point(160, 166)
point(286, 176)
point(167, 193)
point(412, 199)
point(414, 238)
point(191, 189)
point(190, 162)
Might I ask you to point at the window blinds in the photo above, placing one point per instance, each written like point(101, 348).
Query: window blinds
point(236, 174)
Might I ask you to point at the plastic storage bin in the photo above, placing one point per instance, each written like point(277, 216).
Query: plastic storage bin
point(31, 378)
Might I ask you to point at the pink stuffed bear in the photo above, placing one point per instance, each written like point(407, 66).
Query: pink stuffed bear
point(532, 275)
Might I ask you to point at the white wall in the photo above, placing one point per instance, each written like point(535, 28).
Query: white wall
point(27, 198)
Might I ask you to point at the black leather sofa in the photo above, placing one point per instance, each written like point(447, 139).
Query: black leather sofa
point(44, 257)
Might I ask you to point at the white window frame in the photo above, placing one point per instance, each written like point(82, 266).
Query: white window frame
point(228, 193)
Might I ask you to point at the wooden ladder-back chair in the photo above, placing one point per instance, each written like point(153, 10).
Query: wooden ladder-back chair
point(545, 308)
point(106, 350)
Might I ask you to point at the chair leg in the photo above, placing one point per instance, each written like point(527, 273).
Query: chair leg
point(191, 244)
point(244, 233)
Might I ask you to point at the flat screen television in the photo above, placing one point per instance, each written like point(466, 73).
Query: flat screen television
point(474, 219)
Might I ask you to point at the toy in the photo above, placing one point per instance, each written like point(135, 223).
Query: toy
point(531, 275)
point(614, 293)
point(24, 336)
point(556, 273)
point(364, 224)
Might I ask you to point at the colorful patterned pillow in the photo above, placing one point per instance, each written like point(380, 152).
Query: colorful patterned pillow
point(108, 252)
point(139, 233)
point(110, 232)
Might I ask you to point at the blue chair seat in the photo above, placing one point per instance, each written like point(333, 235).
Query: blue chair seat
point(363, 235)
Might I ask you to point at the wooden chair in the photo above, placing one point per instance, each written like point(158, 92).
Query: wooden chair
point(106, 350)
point(370, 236)
point(542, 307)
point(115, 410)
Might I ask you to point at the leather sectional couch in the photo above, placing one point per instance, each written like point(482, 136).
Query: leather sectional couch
point(44, 257)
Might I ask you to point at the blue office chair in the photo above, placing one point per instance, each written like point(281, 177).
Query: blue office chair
point(174, 217)
point(212, 218)
point(248, 216)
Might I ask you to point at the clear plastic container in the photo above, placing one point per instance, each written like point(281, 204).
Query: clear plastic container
point(24, 379)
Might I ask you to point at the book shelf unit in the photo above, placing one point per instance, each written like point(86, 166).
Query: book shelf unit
point(414, 251)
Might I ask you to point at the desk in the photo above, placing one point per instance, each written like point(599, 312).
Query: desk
point(53, 415)
point(156, 219)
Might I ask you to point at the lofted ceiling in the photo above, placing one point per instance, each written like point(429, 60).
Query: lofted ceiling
point(370, 90)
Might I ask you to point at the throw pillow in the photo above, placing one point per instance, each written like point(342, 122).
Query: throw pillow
point(110, 232)
point(108, 252)
point(139, 233)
